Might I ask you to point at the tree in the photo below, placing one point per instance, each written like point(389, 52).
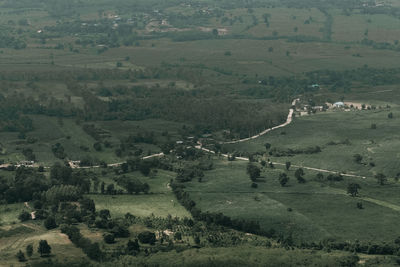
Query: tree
point(267, 146)
point(44, 248)
point(381, 178)
point(109, 238)
point(299, 175)
point(24, 216)
point(283, 179)
point(352, 189)
point(124, 167)
point(147, 237)
point(29, 250)
point(103, 185)
point(97, 146)
point(320, 176)
point(271, 165)
point(253, 171)
point(110, 189)
point(146, 187)
point(144, 168)
point(104, 214)
point(50, 223)
point(390, 115)
point(288, 163)
point(357, 158)
point(133, 247)
point(93, 251)
point(20, 256)
point(373, 126)
point(178, 236)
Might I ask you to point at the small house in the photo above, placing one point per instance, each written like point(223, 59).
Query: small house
point(338, 105)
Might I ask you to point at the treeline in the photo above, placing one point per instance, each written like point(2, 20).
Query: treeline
point(365, 75)
point(9, 41)
point(30, 183)
point(14, 108)
point(291, 152)
point(92, 250)
point(217, 218)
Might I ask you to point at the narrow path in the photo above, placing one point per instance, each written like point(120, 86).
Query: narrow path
point(288, 121)
point(284, 164)
point(381, 203)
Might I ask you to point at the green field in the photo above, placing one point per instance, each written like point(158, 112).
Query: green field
point(160, 201)
point(379, 145)
point(315, 210)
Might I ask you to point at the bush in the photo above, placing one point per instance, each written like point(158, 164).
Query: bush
point(24, 216)
point(50, 223)
point(147, 237)
point(29, 250)
point(109, 238)
point(20, 256)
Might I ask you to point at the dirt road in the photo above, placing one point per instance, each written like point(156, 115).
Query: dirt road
point(288, 121)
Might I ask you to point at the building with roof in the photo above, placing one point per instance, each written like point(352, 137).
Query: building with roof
point(338, 105)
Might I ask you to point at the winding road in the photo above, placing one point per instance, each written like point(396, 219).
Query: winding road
point(200, 147)
point(288, 121)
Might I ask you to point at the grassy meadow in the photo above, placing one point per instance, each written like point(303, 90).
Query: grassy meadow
point(160, 201)
point(315, 210)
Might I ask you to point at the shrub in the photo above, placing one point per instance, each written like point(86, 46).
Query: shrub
point(20, 256)
point(147, 237)
point(24, 216)
point(50, 223)
point(109, 238)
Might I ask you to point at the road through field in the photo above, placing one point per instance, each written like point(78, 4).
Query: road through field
point(287, 122)
point(199, 146)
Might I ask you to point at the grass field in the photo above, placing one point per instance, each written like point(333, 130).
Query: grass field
point(312, 211)
point(31, 233)
point(318, 205)
point(379, 145)
point(160, 201)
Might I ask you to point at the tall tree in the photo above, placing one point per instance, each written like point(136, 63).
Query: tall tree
point(253, 171)
point(283, 179)
point(20, 256)
point(381, 178)
point(44, 248)
point(299, 175)
point(288, 164)
point(29, 250)
point(353, 188)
